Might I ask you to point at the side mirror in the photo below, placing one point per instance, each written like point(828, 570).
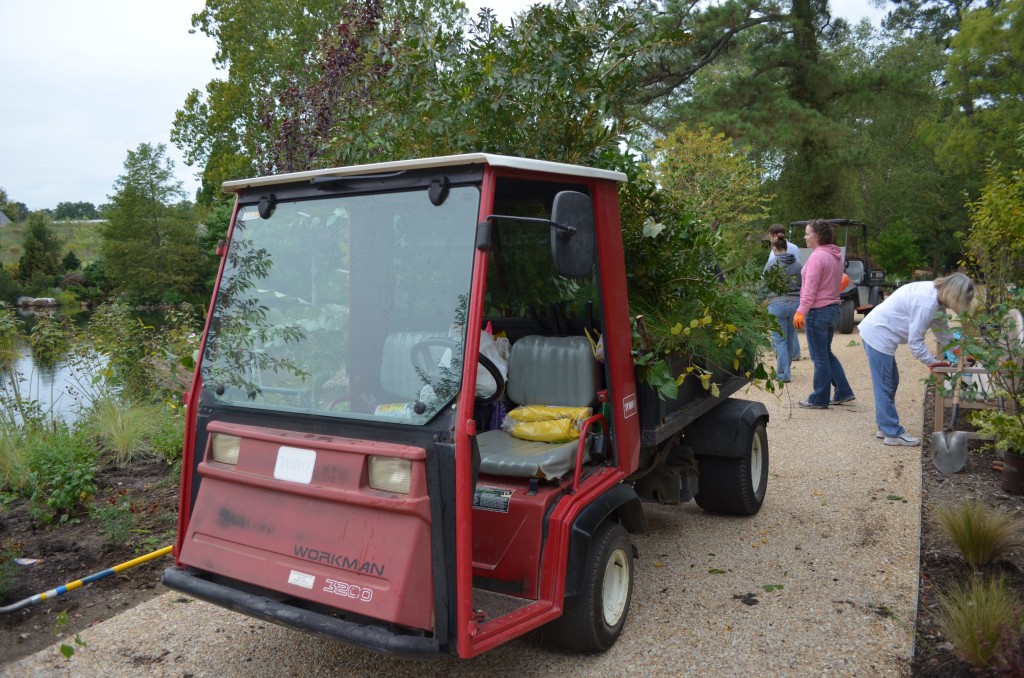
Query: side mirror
point(572, 234)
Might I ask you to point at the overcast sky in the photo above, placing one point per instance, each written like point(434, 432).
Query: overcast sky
point(85, 81)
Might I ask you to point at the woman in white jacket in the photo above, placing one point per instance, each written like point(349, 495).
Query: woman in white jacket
point(904, 318)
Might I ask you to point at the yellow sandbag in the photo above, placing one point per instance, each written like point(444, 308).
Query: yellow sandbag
point(552, 431)
point(548, 413)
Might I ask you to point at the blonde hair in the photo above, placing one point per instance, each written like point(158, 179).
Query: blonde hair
point(955, 292)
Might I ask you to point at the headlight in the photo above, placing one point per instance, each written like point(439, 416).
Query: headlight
point(390, 474)
point(224, 448)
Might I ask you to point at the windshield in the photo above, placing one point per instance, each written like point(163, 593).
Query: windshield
point(347, 306)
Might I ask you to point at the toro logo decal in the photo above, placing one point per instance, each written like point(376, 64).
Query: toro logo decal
point(629, 406)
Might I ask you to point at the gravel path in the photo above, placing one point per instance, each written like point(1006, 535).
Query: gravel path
point(839, 534)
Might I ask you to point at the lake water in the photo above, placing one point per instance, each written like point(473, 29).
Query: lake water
point(60, 388)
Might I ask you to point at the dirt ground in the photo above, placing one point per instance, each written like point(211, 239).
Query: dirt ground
point(69, 552)
point(941, 563)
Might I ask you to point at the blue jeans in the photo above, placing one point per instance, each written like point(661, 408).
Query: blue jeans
point(784, 343)
point(885, 379)
point(820, 326)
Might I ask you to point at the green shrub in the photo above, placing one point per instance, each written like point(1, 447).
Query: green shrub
point(979, 617)
point(123, 427)
point(61, 473)
point(168, 439)
point(117, 516)
point(981, 536)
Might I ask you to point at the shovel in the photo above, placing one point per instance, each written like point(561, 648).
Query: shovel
point(949, 447)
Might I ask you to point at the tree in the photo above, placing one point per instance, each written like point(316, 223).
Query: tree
point(221, 129)
point(937, 20)
point(40, 251)
point(705, 174)
point(5, 205)
point(995, 242)
point(776, 84)
point(149, 242)
point(70, 262)
point(80, 211)
point(555, 85)
point(15, 211)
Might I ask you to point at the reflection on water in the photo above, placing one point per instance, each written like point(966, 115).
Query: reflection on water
point(60, 387)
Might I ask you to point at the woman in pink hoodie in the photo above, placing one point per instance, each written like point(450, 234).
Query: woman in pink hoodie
point(819, 304)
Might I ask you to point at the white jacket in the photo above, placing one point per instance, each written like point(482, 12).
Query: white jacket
point(904, 318)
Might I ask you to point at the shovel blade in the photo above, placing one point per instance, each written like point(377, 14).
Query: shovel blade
point(949, 450)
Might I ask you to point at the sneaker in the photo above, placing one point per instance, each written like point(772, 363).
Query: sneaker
point(843, 401)
point(808, 405)
point(902, 439)
point(879, 434)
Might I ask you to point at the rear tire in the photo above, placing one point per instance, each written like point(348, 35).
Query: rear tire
point(592, 620)
point(736, 485)
point(846, 311)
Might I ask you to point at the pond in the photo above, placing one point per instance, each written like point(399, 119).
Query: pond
point(59, 388)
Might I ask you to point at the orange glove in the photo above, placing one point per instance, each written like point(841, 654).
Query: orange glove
point(798, 321)
point(843, 282)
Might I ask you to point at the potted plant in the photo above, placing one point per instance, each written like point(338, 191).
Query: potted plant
point(997, 343)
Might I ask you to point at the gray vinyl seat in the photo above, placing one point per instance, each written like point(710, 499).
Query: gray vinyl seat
point(855, 269)
point(559, 371)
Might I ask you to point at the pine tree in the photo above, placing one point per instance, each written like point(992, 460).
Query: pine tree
point(149, 242)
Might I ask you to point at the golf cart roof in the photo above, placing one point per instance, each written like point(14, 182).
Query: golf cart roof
point(503, 161)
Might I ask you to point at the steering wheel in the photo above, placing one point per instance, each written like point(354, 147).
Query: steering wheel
point(423, 360)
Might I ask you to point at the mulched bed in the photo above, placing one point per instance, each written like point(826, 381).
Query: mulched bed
point(65, 553)
point(941, 563)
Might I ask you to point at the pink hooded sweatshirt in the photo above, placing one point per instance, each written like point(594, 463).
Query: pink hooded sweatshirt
point(821, 277)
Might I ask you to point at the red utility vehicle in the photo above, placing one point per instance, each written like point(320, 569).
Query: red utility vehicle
point(345, 468)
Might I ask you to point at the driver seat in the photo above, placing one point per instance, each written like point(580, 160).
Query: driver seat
point(398, 375)
point(559, 371)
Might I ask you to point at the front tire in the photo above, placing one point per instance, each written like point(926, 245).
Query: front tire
point(846, 311)
point(736, 485)
point(592, 620)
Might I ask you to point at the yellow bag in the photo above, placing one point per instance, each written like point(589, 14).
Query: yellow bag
point(545, 424)
point(548, 413)
point(553, 431)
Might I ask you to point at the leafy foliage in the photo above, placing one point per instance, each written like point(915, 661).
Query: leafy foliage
point(75, 210)
point(687, 306)
point(117, 515)
point(150, 248)
point(61, 473)
point(40, 250)
point(994, 339)
point(897, 251)
point(995, 243)
point(706, 175)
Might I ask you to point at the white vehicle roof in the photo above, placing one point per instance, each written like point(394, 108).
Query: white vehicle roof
point(427, 163)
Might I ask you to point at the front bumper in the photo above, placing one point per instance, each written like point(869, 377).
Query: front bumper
point(373, 638)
